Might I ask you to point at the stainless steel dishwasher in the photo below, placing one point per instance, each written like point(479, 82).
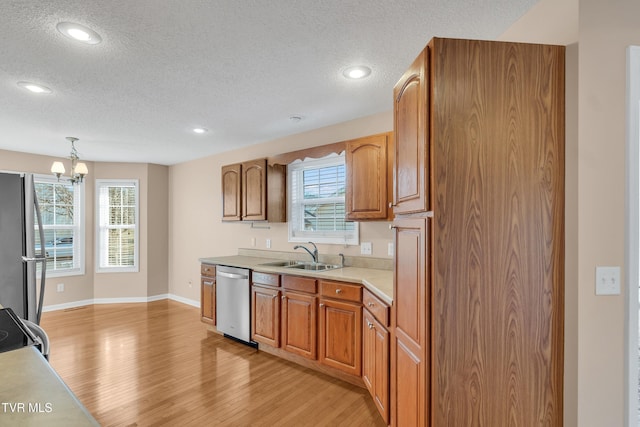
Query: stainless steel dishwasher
point(233, 303)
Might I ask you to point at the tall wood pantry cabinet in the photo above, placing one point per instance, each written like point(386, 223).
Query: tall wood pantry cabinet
point(477, 320)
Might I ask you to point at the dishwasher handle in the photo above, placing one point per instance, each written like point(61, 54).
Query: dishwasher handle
point(232, 275)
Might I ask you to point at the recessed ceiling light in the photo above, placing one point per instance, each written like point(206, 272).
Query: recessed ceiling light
point(79, 32)
point(200, 130)
point(357, 72)
point(35, 88)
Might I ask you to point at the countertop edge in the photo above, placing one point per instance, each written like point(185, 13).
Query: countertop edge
point(379, 282)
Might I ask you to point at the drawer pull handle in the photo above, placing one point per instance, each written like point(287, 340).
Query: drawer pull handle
point(338, 291)
point(208, 283)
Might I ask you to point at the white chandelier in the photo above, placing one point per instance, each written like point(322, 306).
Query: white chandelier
point(78, 169)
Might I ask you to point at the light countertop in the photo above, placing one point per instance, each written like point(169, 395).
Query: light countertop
point(32, 394)
point(378, 281)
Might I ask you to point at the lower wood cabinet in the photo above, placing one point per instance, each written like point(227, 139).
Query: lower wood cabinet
point(208, 293)
point(265, 315)
point(340, 339)
point(299, 324)
point(375, 355)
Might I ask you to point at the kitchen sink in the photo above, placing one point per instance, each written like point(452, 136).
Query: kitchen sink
point(314, 266)
point(302, 265)
point(285, 264)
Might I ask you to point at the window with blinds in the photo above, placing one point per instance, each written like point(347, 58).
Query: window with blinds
point(61, 208)
point(117, 207)
point(316, 190)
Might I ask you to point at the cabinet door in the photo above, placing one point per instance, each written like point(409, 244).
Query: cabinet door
point(341, 336)
point(231, 189)
point(208, 300)
point(254, 190)
point(375, 366)
point(299, 323)
point(265, 315)
point(367, 178)
point(409, 355)
point(411, 162)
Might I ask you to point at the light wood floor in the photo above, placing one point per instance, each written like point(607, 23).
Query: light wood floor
point(156, 364)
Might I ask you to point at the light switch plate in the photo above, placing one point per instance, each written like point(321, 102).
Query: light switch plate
point(365, 248)
point(268, 243)
point(607, 280)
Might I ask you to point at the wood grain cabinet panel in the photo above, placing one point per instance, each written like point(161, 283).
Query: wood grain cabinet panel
point(265, 315)
point(411, 160)
point(232, 192)
point(368, 178)
point(341, 335)
point(208, 293)
point(254, 191)
point(478, 317)
point(375, 362)
point(299, 324)
point(410, 313)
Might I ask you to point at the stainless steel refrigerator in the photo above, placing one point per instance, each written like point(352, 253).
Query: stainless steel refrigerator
point(19, 222)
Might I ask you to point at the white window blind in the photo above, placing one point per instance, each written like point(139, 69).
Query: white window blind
point(61, 208)
point(316, 189)
point(117, 240)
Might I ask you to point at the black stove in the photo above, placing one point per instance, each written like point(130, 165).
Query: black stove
point(13, 333)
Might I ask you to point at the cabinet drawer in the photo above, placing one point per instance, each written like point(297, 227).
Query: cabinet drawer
point(304, 284)
point(376, 307)
point(208, 270)
point(341, 290)
point(266, 279)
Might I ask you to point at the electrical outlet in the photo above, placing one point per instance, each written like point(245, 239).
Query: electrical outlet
point(607, 280)
point(60, 287)
point(268, 243)
point(365, 248)
point(390, 249)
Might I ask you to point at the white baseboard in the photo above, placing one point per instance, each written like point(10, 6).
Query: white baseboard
point(183, 300)
point(125, 300)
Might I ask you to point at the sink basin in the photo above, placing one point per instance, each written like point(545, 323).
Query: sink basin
point(302, 265)
point(314, 266)
point(285, 264)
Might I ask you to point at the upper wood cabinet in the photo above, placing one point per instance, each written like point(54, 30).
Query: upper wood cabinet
point(369, 177)
point(231, 192)
point(254, 191)
point(411, 160)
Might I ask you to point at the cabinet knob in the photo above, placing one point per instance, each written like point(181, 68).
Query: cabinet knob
point(283, 297)
point(370, 325)
point(276, 296)
point(392, 205)
point(338, 291)
point(392, 227)
point(321, 305)
point(371, 304)
point(208, 283)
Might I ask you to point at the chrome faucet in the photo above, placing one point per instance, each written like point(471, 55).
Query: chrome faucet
point(314, 254)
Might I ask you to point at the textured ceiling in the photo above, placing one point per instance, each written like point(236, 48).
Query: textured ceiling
point(239, 68)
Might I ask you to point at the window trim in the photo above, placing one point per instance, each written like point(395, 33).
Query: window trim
point(332, 238)
point(80, 252)
point(135, 268)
